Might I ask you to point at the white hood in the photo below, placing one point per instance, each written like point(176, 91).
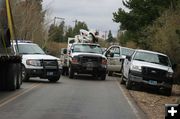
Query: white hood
point(91, 54)
point(39, 56)
point(152, 65)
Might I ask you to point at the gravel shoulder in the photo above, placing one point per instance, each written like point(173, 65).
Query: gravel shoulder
point(153, 104)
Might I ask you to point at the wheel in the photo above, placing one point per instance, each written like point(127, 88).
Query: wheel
point(71, 72)
point(19, 76)
point(129, 83)
point(25, 77)
point(54, 79)
point(167, 91)
point(110, 73)
point(103, 76)
point(122, 80)
point(12, 77)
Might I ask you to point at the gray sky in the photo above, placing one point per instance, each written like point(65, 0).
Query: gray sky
point(96, 13)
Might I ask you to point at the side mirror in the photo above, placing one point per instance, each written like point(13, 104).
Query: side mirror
point(128, 57)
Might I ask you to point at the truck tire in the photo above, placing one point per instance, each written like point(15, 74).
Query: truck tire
point(167, 91)
point(54, 79)
point(122, 80)
point(71, 73)
point(110, 73)
point(12, 77)
point(19, 76)
point(103, 76)
point(128, 83)
point(25, 77)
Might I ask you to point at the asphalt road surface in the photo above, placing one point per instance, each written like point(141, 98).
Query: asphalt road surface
point(80, 98)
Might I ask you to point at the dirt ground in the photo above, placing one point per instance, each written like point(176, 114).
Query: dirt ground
point(152, 103)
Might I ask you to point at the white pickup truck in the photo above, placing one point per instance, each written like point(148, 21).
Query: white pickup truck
point(150, 68)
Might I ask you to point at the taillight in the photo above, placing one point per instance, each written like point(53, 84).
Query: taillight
point(104, 61)
point(74, 61)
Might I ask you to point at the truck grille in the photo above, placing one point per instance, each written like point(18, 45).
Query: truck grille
point(89, 59)
point(49, 64)
point(154, 73)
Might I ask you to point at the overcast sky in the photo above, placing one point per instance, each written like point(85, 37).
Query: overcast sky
point(96, 13)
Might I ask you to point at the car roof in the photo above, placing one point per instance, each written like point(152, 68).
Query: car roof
point(140, 50)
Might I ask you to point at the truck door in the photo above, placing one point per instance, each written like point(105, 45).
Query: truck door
point(113, 59)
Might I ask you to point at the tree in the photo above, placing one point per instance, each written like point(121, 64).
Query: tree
point(28, 19)
point(142, 14)
point(79, 25)
point(110, 37)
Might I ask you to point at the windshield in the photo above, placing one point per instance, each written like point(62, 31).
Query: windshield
point(87, 48)
point(127, 51)
point(29, 49)
point(152, 58)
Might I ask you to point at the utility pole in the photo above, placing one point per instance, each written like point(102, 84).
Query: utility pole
point(58, 18)
point(75, 21)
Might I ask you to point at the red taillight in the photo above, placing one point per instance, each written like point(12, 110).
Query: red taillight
point(104, 61)
point(74, 61)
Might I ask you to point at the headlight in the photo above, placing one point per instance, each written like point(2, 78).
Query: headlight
point(136, 68)
point(33, 62)
point(169, 74)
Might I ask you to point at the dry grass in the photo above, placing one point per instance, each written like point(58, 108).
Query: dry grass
point(153, 104)
point(54, 48)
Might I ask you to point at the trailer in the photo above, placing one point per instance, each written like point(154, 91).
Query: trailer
point(10, 60)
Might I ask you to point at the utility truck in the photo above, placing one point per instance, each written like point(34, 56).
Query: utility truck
point(10, 60)
point(85, 56)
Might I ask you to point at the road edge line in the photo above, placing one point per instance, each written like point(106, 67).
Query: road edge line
point(139, 114)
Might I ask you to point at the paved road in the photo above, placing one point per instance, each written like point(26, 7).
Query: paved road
point(80, 98)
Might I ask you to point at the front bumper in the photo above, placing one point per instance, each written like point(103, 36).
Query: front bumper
point(43, 73)
point(89, 69)
point(138, 77)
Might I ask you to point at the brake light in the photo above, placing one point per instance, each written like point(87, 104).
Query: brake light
point(104, 61)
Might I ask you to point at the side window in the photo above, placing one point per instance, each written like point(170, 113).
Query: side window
point(116, 52)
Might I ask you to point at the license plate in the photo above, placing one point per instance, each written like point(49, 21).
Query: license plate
point(50, 73)
point(151, 82)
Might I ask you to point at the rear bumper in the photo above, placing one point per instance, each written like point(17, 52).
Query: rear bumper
point(137, 77)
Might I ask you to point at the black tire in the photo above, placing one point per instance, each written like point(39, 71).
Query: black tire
point(71, 73)
point(25, 76)
point(167, 91)
point(128, 83)
point(54, 79)
point(103, 76)
point(12, 77)
point(19, 76)
point(110, 73)
point(122, 80)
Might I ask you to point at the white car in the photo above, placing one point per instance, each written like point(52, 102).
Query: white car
point(150, 68)
point(35, 63)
